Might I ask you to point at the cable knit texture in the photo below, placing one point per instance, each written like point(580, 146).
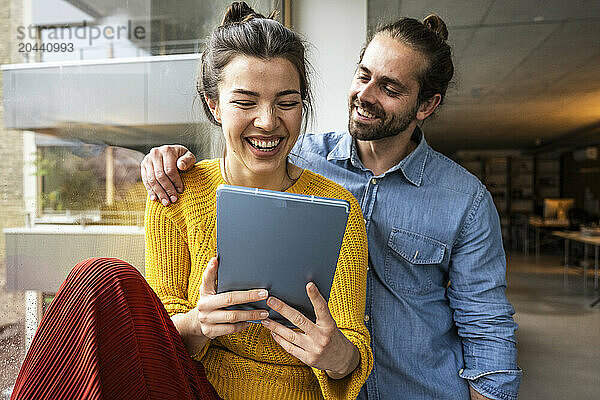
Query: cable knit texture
point(181, 238)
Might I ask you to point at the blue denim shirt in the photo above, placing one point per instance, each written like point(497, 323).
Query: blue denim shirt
point(436, 306)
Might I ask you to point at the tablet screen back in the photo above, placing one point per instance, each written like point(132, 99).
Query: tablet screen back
point(278, 241)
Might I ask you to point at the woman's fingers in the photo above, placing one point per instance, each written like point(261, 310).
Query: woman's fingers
point(213, 331)
point(233, 316)
point(319, 304)
point(319, 344)
point(291, 348)
point(289, 335)
point(227, 299)
point(291, 314)
point(214, 320)
point(208, 291)
point(209, 278)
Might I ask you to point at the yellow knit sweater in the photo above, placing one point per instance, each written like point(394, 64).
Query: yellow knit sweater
point(181, 238)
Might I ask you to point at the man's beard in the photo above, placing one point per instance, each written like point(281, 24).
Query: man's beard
point(388, 124)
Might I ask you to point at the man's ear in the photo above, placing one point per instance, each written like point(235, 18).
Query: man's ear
point(428, 107)
point(214, 108)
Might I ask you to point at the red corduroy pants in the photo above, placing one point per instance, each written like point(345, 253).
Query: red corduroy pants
point(106, 335)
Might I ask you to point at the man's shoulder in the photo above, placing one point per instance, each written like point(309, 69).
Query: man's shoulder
point(319, 143)
point(325, 187)
point(448, 174)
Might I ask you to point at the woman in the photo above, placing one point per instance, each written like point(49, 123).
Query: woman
point(107, 334)
point(253, 83)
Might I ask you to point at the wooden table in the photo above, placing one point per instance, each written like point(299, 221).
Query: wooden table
point(538, 224)
point(586, 240)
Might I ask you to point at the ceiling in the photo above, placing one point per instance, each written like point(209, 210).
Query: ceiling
point(527, 72)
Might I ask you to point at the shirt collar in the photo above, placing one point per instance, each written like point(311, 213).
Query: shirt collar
point(412, 166)
point(342, 149)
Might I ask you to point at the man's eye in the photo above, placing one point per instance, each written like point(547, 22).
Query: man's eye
point(364, 78)
point(389, 91)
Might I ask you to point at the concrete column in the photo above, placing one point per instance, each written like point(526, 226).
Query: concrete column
point(30, 179)
point(286, 7)
point(33, 315)
point(110, 174)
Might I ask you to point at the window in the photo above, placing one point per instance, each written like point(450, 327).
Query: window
point(88, 88)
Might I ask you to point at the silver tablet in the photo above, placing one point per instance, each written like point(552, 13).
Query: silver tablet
point(278, 241)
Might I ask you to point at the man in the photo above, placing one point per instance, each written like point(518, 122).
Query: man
point(436, 308)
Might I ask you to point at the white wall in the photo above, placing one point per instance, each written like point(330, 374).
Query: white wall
point(337, 30)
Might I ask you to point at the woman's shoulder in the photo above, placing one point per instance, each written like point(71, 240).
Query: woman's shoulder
point(200, 184)
point(202, 178)
point(202, 173)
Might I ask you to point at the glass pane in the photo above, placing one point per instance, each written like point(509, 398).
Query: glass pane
point(88, 87)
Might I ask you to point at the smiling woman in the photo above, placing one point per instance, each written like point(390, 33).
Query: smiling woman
point(110, 333)
point(254, 84)
point(260, 110)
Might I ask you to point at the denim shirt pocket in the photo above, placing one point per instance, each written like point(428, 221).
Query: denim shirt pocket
point(409, 259)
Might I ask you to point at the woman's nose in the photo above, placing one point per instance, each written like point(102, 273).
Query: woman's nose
point(266, 119)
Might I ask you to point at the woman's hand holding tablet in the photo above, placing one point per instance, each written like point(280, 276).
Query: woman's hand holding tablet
point(209, 319)
point(320, 344)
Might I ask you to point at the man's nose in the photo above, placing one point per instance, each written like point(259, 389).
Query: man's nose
point(266, 119)
point(366, 94)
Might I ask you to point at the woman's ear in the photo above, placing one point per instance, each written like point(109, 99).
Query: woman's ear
point(214, 108)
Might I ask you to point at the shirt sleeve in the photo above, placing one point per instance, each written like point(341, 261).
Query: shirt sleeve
point(347, 306)
point(481, 310)
point(167, 259)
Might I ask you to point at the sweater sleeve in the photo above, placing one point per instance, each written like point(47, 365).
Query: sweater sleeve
point(167, 259)
point(347, 306)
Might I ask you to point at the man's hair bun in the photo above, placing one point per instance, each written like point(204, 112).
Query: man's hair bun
point(239, 12)
point(436, 24)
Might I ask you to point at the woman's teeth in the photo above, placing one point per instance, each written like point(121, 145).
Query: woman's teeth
point(264, 145)
point(364, 113)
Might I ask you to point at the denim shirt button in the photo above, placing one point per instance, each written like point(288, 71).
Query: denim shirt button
point(374, 181)
point(367, 318)
point(461, 371)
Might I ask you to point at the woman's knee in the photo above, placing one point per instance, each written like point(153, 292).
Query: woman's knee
point(102, 269)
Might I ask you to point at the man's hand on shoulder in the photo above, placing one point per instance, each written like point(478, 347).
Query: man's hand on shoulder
point(160, 172)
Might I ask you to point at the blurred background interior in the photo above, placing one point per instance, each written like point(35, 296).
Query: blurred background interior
point(89, 86)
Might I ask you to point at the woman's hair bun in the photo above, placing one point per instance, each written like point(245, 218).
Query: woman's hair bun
point(436, 24)
point(239, 12)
